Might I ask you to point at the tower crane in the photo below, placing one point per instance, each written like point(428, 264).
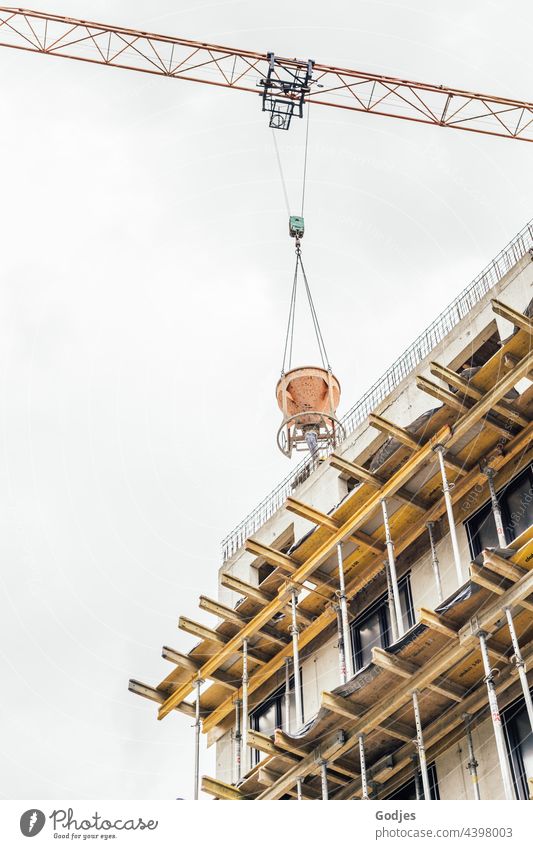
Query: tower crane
point(285, 85)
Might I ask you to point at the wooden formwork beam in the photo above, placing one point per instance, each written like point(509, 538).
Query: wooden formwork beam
point(268, 746)
point(204, 633)
point(359, 473)
point(503, 567)
point(481, 576)
point(221, 790)
point(437, 622)
point(236, 585)
point(523, 322)
point(229, 614)
point(454, 402)
point(287, 564)
point(158, 696)
point(406, 438)
point(344, 707)
point(186, 662)
point(318, 518)
point(465, 387)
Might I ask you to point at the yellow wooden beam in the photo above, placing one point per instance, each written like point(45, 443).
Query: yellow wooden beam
point(288, 744)
point(204, 633)
point(283, 561)
point(523, 322)
point(265, 744)
point(437, 622)
point(364, 476)
point(271, 555)
point(390, 429)
point(344, 707)
point(406, 438)
point(505, 568)
point(318, 518)
point(467, 388)
point(245, 589)
point(479, 575)
point(393, 663)
point(185, 662)
point(221, 790)
point(158, 696)
point(454, 402)
point(229, 614)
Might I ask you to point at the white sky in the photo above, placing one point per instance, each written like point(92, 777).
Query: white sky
point(145, 280)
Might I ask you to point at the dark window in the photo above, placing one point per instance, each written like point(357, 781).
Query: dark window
point(520, 746)
point(516, 505)
point(271, 714)
point(408, 791)
point(264, 571)
point(373, 628)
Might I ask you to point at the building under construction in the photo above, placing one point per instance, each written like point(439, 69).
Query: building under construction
point(374, 623)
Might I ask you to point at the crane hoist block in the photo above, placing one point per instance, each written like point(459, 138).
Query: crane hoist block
point(296, 226)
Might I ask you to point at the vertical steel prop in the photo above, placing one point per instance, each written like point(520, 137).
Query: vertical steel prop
point(472, 762)
point(446, 489)
point(421, 749)
point(496, 512)
point(362, 760)
point(299, 789)
point(244, 756)
point(418, 789)
point(296, 662)
point(324, 776)
point(435, 560)
point(392, 570)
point(390, 603)
point(521, 666)
point(496, 719)
point(238, 741)
point(197, 729)
point(340, 641)
point(288, 695)
point(348, 659)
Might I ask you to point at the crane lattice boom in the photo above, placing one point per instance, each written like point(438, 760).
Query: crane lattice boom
point(246, 70)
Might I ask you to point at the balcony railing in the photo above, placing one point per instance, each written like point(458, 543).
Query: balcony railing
point(404, 365)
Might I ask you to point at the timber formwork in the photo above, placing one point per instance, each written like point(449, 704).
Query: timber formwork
point(438, 658)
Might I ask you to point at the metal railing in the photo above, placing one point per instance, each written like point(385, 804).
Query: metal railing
point(403, 366)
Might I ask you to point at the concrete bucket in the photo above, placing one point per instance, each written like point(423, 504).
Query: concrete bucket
point(308, 398)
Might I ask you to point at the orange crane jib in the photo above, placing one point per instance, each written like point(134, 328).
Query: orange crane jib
point(274, 78)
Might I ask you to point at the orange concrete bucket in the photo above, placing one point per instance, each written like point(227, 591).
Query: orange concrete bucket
point(308, 389)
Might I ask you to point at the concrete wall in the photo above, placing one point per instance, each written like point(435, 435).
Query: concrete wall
point(452, 774)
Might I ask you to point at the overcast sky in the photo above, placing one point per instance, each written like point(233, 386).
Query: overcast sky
point(145, 281)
